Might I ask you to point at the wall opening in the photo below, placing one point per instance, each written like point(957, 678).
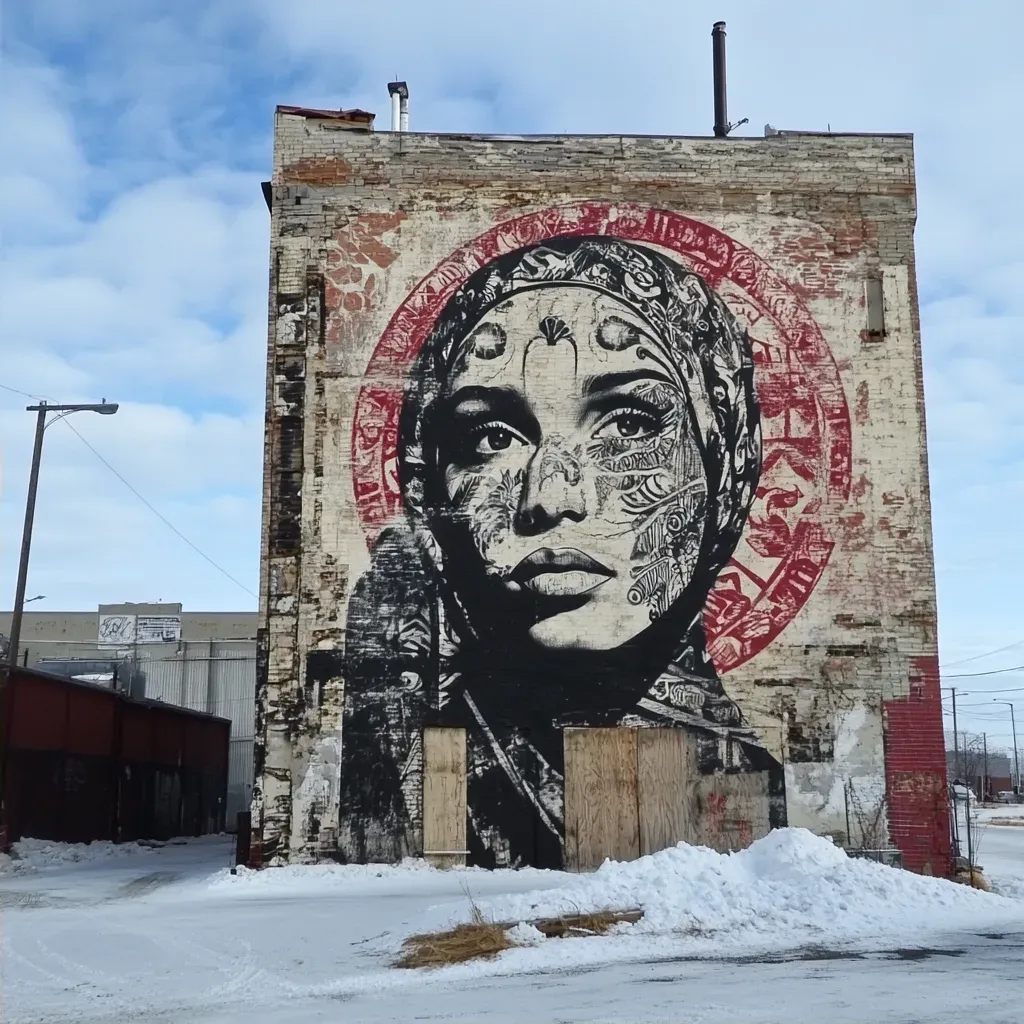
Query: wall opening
point(875, 298)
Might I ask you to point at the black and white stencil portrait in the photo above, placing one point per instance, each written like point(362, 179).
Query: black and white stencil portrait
point(579, 448)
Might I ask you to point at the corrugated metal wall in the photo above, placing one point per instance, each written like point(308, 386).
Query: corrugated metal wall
point(218, 677)
point(86, 763)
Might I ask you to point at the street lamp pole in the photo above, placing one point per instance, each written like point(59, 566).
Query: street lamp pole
point(26, 538)
point(42, 410)
point(1016, 764)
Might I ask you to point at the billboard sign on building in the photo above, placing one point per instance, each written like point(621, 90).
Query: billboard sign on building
point(127, 630)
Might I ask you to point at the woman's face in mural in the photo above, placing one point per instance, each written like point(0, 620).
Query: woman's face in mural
point(569, 466)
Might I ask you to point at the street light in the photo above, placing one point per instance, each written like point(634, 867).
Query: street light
point(1013, 725)
point(42, 410)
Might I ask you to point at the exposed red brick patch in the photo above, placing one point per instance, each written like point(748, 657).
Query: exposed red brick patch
point(321, 170)
point(915, 773)
point(351, 285)
point(360, 240)
point(855, 533)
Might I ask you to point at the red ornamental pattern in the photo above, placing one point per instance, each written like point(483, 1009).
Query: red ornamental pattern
point(805, 417)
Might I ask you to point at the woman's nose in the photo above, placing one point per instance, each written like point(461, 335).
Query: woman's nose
point(553, 491)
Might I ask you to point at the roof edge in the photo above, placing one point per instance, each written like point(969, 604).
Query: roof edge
point(353, 116)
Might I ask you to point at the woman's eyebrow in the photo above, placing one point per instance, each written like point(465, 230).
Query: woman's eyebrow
point(474, 400)
point(603, 382)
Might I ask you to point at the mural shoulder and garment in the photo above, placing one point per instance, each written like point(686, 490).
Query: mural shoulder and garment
point(595, 493)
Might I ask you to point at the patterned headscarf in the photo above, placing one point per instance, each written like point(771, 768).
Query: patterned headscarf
point(697, 333)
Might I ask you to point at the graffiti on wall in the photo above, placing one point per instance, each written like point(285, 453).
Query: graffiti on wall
point(590, 458)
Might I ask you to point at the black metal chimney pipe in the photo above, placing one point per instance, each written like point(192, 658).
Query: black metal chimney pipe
point(718, 52)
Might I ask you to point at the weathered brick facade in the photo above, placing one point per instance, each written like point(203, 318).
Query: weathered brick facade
point(821, 624)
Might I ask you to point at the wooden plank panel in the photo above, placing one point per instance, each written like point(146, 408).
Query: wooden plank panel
point(667, 788)
point(444, 796)
point(733, 809)
point(601, 813)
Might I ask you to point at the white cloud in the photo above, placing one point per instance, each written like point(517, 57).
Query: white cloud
point(42, 174)
point(158, 297)
point(136, 238)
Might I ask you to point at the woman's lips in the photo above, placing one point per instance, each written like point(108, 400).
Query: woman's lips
point(559, 572)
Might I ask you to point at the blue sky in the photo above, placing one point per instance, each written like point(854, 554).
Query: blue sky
point(136, 133)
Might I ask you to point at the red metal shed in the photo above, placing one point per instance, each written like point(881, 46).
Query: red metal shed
point(84, 762)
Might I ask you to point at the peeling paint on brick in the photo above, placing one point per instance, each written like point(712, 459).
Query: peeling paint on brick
point(827, 609)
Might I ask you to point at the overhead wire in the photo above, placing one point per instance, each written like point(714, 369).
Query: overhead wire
point(980, 704)
point(16, 391)
point(978, 693)
point(990, 672)
point(986, 654)
point(202, 554)
point(158, 514)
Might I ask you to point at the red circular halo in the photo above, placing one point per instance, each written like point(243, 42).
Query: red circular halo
point(806, 467)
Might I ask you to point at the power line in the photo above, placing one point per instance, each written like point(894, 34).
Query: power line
point(978, 657)
point(983, 704)
point(157, 513)
point(980, 704)
point(991, 672)
point(163, 519)
point(976, 693)
point(980, 716)
point(16, 391)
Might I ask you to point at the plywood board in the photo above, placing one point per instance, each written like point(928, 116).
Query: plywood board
point(444, 796)
point(733, 809)
point(601, 812)
point(666, 788)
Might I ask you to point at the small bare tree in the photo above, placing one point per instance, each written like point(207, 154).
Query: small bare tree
point(869, 816)
point(969, 765)
point(972, 755)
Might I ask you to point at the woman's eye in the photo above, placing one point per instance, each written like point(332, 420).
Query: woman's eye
point(495, 439)
point(628, 424)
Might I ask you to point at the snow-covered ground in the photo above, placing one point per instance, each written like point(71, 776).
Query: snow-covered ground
point(789, 930)
point(999, 849)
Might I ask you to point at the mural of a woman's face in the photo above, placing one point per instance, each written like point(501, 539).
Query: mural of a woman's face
point(569, 466)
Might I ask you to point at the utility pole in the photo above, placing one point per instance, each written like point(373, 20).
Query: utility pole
point(956, 773)
point(42, 410)
point(956, 740)
point(967, 822)
point(984, 781)
point(1016, 763)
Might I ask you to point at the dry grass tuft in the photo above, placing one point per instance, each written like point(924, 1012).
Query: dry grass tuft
point(455, 946)
point(975, 879)
point(979, 881)
point(481, 940)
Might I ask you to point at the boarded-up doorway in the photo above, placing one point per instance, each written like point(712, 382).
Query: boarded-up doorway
point(630, 792)
point(444, 796)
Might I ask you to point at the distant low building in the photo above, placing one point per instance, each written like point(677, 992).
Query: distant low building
point(983, 779)
point(205, 661)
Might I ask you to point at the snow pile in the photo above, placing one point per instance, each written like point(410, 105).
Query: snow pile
point(38, 854)
point(790, 888)
point(291, 878)
point(413, 875)
point(525, 934)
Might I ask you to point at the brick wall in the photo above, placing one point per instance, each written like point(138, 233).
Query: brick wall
point(829, 614)
point(915, 773)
